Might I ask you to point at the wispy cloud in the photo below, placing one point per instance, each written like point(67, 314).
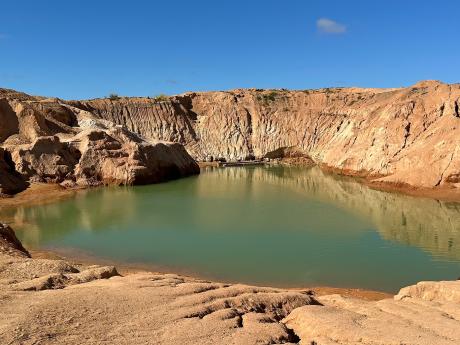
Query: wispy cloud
point(329, 26)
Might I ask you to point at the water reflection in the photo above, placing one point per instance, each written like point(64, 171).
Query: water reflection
point(260, 225)
point(426, 223)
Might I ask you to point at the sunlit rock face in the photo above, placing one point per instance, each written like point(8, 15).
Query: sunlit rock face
point(45, 140)
point(403, 136)
point(425, 313)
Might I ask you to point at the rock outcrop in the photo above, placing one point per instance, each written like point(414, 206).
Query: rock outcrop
point(57, 302)
point(9, 243)
point(44, 140)
point(388, 135)
point(424, 314)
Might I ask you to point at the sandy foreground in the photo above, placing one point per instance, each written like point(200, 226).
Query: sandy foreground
point(53, 301)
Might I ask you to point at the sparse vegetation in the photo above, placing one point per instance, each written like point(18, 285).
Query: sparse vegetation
point(268, 97)
point(161, 98)
point(114, 96)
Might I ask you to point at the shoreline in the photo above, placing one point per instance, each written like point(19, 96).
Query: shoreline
point(44, 193)
point(447, 194)
point(41, 193)
point(50, 299)
point(125, 269)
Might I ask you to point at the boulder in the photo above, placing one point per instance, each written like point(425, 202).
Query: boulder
point(116, 156)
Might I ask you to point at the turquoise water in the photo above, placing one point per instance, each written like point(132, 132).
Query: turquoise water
point(274, 226)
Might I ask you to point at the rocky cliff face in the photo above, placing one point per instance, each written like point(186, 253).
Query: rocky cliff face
point(403, 136)
point(45, 140)
point(407, 136)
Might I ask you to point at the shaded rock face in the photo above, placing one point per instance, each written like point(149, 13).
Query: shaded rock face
point(391, 135)
point(10, 180)
point(9, 243)
point(44, 140)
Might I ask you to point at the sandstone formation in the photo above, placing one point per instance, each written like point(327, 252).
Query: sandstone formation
point(56, 302)
point(387, 135)
point(44, 140)
point(400, 136)
point(412, 317)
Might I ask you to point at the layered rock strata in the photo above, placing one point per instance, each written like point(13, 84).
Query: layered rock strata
point(44, 140)
point(400, 136)
point(405, 136)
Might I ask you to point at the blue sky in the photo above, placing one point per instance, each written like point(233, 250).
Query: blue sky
point(85, 49)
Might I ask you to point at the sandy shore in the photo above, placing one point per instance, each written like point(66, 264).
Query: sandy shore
point(39, 193)
point(55, 301)
point(83, 259)
point(448, 194)
point(43, 193)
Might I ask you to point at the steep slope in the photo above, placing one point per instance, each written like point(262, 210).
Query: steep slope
point(44, 140)
point(403, 136)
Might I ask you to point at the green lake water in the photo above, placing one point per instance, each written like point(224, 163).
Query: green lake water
point(290, 227)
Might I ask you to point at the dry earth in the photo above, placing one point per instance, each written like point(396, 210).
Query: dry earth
point(46, 301)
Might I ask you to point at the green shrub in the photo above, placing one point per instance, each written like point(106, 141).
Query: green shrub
point(268, 97)
point(161, 98)
point(114, 96)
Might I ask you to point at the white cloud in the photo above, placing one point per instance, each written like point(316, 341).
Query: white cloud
point(329, 26)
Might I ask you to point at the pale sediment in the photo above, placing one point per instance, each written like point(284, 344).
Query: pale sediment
point(56, 302)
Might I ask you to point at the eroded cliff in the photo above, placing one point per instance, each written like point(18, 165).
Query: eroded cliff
point(403, 136)
point(45, 140)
